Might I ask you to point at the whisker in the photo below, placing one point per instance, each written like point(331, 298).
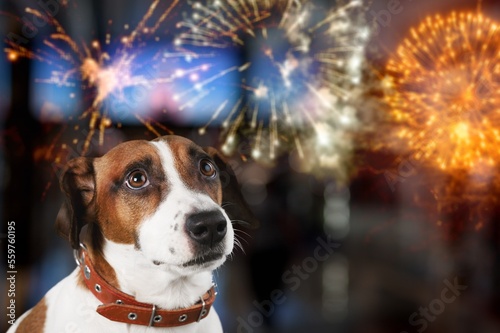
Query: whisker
point(243, 240)
point(241, 222)
point(237, 243)
point(225, 204)
point(243, 232)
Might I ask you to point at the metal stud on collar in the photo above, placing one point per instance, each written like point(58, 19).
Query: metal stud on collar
point(86, 272)
point(183, 318)
point(97, 288)
point(132, 316)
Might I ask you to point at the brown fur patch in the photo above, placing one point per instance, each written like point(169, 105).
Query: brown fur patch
point(102, 267)
point(35, 320)
point(92, 238)
point(187, 156)
point(121, 209)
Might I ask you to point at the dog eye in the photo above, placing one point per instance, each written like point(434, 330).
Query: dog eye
point(137, 179)
point(207, 168)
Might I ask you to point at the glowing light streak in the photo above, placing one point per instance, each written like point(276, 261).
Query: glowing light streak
point(444, 81)
point(100, 74)
point(300, 68)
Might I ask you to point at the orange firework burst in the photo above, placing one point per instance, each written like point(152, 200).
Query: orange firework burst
point(441, 89)
point(443, 85)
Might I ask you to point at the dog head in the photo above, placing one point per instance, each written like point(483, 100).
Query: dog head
point(173, 200)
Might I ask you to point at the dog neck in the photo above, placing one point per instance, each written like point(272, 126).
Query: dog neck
point(125, 268)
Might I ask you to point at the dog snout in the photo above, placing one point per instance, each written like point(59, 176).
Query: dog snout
point(206, 228)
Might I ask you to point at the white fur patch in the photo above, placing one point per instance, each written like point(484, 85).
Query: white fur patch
point(162, 236)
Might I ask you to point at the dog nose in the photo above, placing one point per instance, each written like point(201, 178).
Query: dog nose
point(206, 228)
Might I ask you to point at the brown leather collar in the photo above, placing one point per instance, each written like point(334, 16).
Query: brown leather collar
point(121, 307)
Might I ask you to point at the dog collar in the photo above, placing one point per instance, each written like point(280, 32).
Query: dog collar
point(121, 307)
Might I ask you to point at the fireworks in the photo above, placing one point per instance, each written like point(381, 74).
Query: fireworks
point(443, 86)
point(100, 74)
point(294, 72)
point(282, 73)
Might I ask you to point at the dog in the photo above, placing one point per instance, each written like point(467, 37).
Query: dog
point(149, 222)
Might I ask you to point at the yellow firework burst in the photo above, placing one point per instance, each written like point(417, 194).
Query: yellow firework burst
point(443, 91)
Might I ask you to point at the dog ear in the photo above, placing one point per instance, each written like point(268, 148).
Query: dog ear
point(234, 204)
point(78, 184)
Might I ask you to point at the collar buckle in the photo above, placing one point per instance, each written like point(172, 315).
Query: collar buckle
point(154, 318)
point(203, 311)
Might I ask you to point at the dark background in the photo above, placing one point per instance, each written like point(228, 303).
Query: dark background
point(392, 257)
